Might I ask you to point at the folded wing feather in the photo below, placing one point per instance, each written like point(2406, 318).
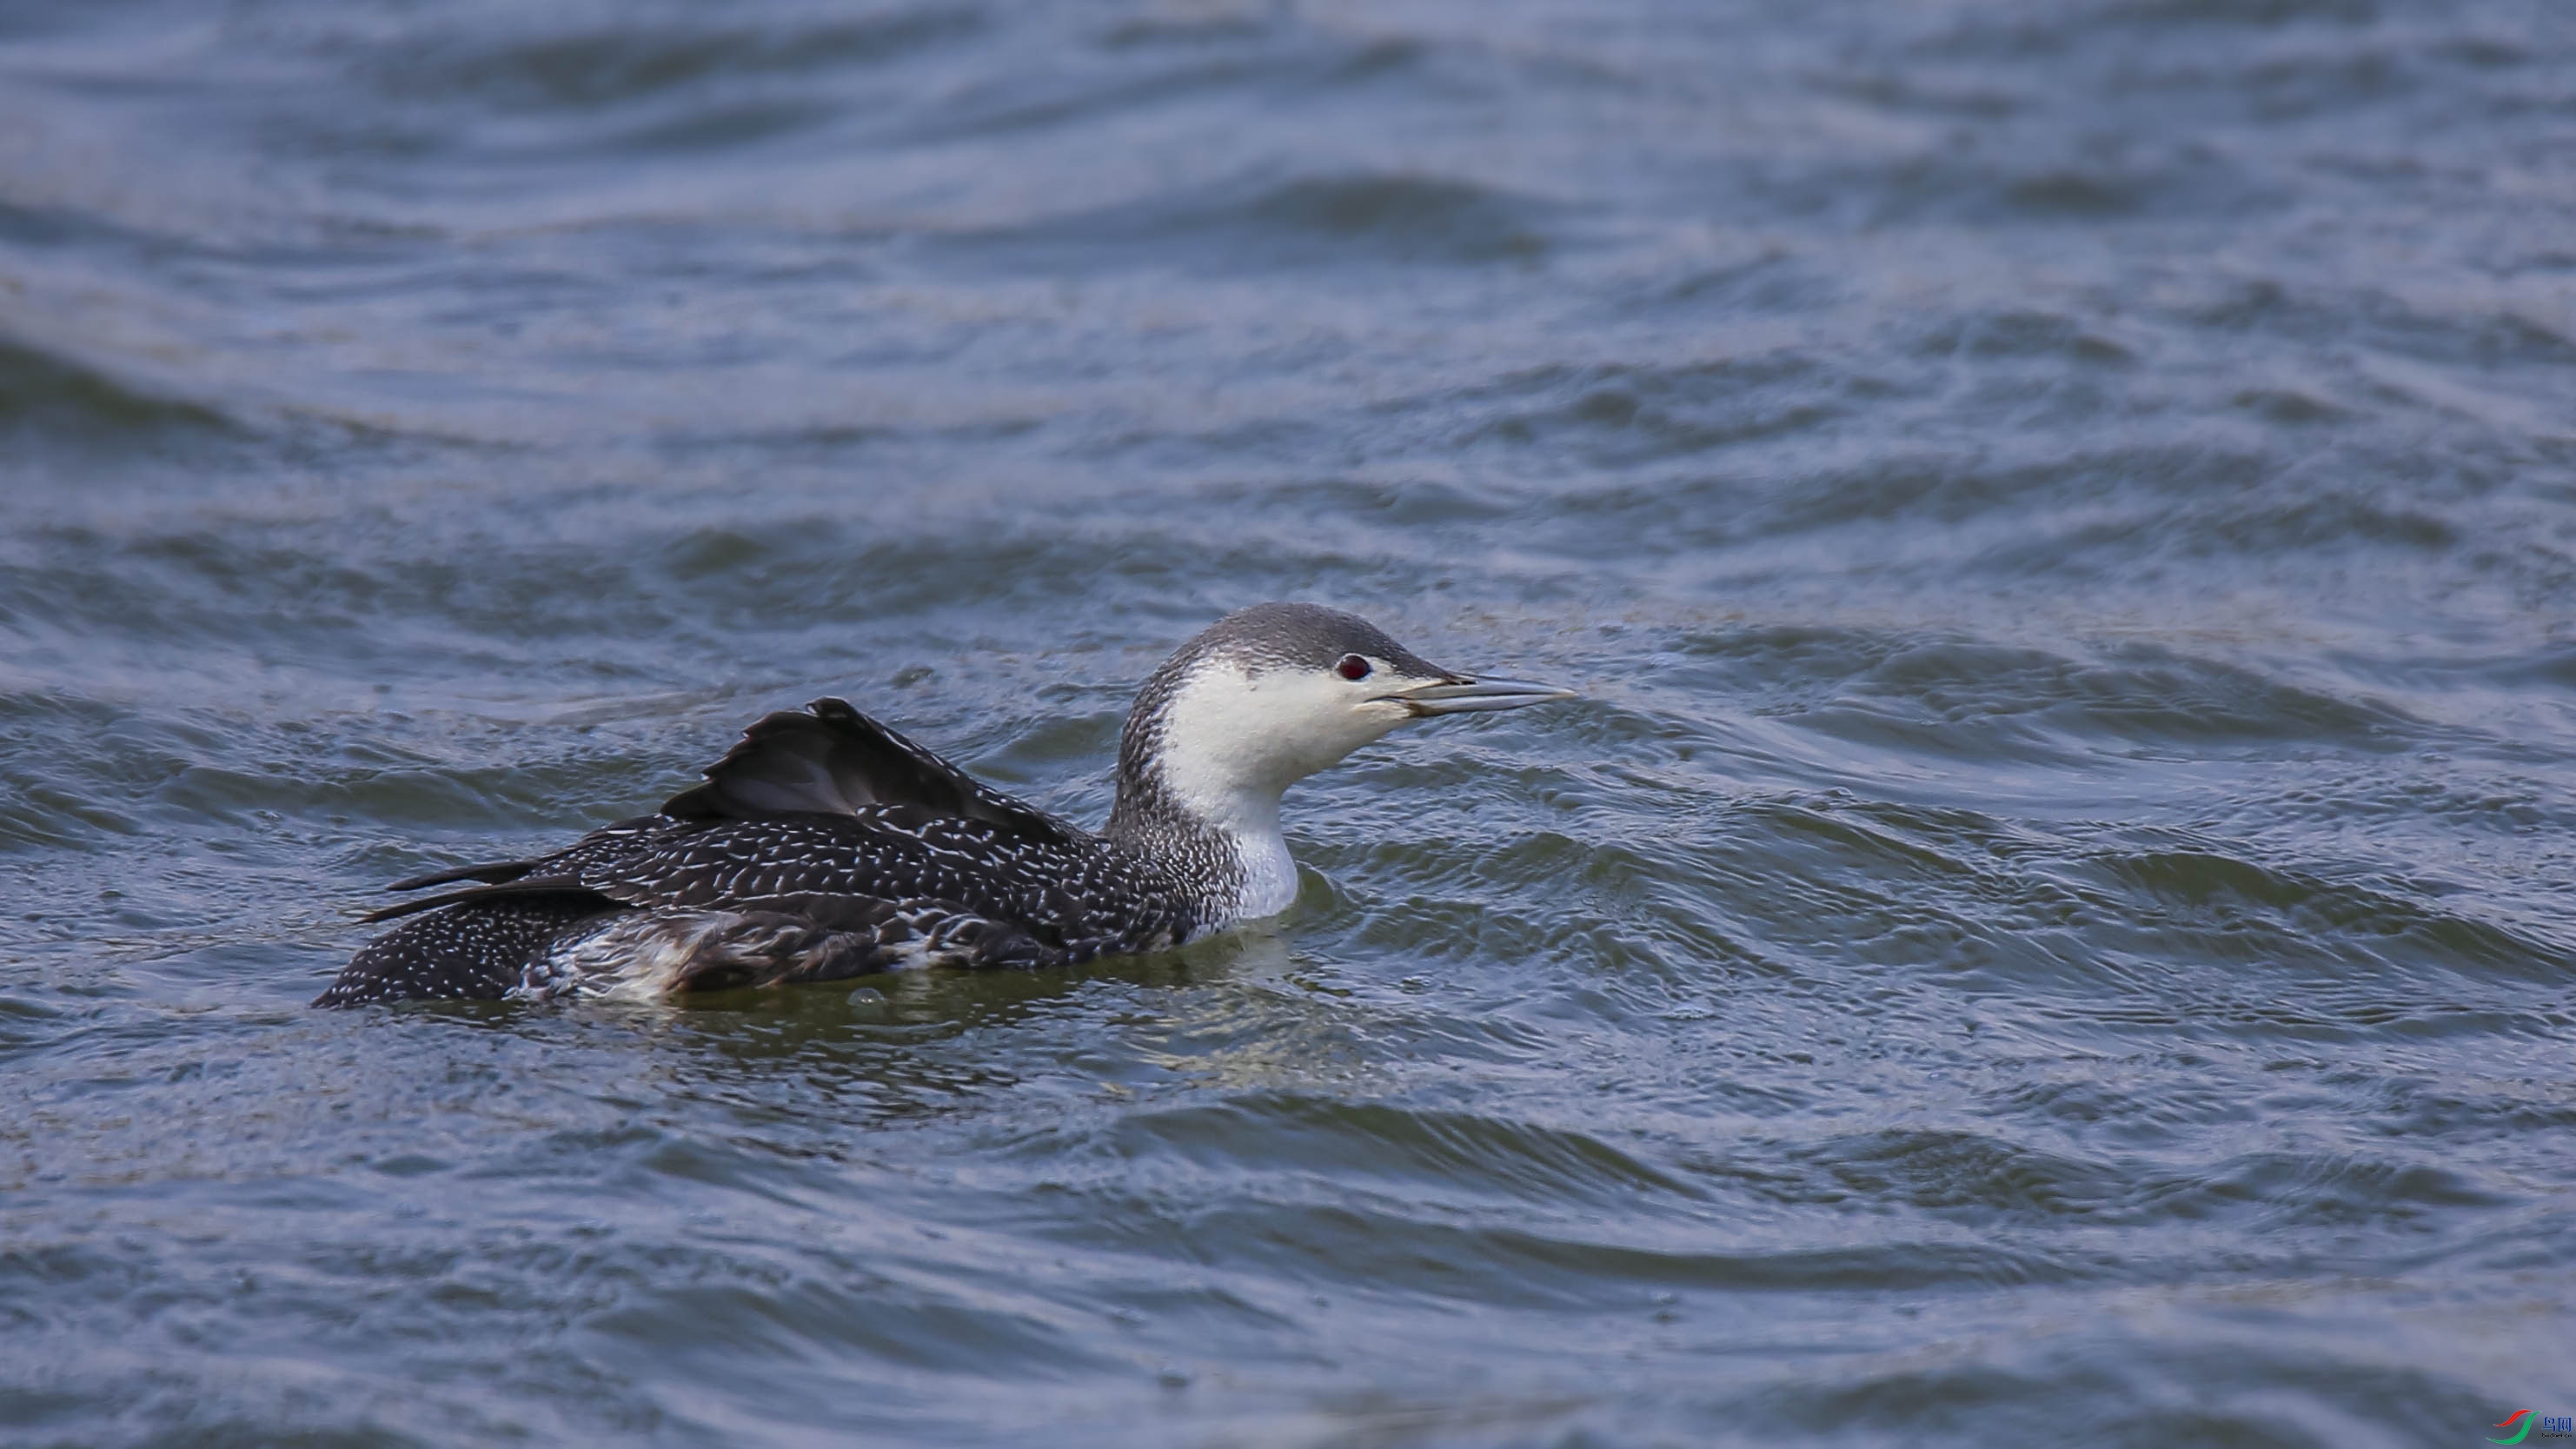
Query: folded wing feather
point(831, 759)
point(827, 759)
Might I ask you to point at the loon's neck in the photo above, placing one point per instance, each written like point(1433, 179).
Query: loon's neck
point(1225, 850)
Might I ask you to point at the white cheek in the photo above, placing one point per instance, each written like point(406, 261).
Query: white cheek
point(1232, 735)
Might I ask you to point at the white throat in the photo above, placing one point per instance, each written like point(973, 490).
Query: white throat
point(1251, 826)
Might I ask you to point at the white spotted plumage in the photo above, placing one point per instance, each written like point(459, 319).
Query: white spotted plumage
point(826, 845)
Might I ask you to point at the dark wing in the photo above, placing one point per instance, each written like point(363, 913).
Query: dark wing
point(541, 875)
point(880, 852)
point(796, 897)
point(831, 760)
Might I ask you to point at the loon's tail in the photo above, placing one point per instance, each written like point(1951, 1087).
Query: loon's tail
point(494, 872)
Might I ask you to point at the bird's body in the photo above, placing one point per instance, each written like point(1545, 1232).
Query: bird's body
point(825, 845)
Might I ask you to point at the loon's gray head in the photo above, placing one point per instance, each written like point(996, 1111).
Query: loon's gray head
point(1259, 700)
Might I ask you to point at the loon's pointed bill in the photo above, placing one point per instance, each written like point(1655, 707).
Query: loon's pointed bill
point(825, 845)
point(1469, 696)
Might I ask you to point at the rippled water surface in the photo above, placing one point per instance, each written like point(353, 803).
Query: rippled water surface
point(2050, 925)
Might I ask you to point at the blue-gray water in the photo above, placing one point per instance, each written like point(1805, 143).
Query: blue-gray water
point(2051, 924)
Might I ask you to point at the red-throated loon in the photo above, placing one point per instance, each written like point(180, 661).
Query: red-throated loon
point(825, 845)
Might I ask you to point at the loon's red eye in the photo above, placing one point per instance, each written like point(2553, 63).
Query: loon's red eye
point(1352, 667)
